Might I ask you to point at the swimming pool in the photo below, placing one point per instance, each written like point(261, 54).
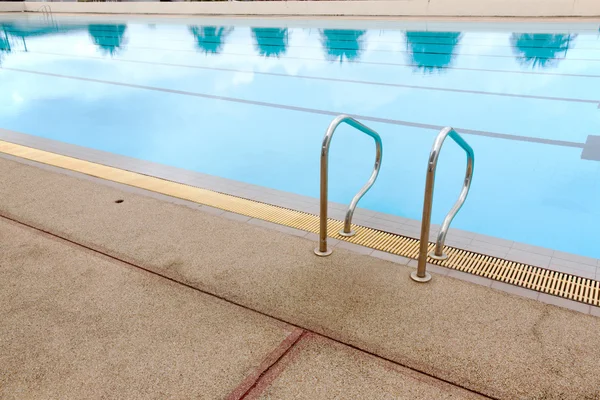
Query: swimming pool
point(251, 103)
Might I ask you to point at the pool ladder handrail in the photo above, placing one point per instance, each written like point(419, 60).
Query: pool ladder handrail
point(421, 274)
point(46, 12)
point(322, 249)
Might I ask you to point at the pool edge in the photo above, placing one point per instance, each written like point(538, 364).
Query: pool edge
point(543, 280)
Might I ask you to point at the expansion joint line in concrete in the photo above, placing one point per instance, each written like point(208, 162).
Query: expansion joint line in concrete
point(287, 345)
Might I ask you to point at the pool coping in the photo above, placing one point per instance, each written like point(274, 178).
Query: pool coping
point(585, 267)
point(404, 22)
point(333, 8)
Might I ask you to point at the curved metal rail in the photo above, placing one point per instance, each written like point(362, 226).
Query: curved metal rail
point(322, 250)
point(46, 12)
point(421, 274)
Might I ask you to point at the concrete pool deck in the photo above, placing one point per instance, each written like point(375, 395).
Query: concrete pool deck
point(454, 332)
point(80, 325)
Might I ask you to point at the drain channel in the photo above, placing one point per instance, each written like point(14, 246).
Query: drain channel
point(543, 280)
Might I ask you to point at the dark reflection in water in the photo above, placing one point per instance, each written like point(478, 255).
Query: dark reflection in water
point(108, 38)
point(541, 50)
point(25, 31)
point(210, 39)
point(342, 45)
point(432, 51)
point(271, 42)
point(5, 47)
point(16, 33)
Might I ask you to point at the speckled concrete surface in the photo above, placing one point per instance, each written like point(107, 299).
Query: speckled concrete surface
point(319, 368)
point(75, 325)
point(489, 341)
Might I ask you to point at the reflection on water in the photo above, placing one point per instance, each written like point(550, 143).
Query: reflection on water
point(4, 45)
point(108, 38)
point(427, 51)
point(210, 39)
point(271, 42)
point(342, 44)
point(432, 51)
point(541, 50)
point(16, 33)
point(25, 30)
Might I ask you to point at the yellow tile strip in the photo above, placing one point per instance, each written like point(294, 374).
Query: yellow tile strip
point(528, 276)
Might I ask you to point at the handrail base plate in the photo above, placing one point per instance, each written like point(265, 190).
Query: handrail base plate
point(432, 254)
point(323, 253)
point(416, 278)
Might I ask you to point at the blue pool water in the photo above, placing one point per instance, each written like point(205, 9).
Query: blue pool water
point(526, 100)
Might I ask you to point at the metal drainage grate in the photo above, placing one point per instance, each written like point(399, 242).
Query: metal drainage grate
point(528, 276)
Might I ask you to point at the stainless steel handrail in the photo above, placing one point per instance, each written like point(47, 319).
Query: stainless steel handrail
point(46, 11)
point(421, 274)
point(322, 250)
